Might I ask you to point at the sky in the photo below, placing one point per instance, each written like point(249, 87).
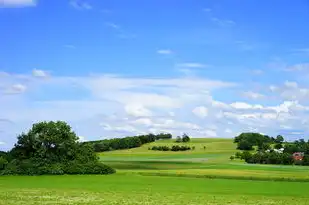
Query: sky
point(114, 68)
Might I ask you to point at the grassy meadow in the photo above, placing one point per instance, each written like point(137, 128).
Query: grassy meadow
point(200, 176)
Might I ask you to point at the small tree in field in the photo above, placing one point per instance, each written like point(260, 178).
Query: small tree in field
point(232, 158)
point(185, 138)
point(178, 139)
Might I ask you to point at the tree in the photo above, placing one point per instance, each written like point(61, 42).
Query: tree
point(232, 158)
point(278, 146)
point(3, 162)
point(244, 145)
point(185, 138)
point(178, 139)
point(264, 147)
point(279, 139)
point(52, 148)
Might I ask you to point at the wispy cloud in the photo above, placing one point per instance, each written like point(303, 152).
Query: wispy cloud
point(222, 22)
point(165, 51)
point(80, 5)
point(207, 9)
point(120, 33)
point(257, 72)
point(69, 46)
point(301, 51)
point(298, 67)
point(112, 25)
point(253, 95)
point(192, 65)
point(17, 3)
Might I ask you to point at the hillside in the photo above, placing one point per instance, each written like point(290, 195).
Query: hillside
point(213, 161)
point(213, 147)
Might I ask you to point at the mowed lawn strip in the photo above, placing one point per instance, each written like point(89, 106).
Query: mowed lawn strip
point(134, 189)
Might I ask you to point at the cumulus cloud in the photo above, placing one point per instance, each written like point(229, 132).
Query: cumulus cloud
point(200, 111)
point(137, 110)
point(115, 106)
point(17, 3)
point(39, 73)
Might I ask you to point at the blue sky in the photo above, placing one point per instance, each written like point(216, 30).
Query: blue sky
point(116, 68)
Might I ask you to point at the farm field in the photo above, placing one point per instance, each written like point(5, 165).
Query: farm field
point(200, 176)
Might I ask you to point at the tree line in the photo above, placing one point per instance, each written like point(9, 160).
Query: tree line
point(51, 148)
point(262, 149)
point(126, 142)
point(174, 148)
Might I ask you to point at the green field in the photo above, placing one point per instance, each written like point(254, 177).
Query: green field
point(200, 176)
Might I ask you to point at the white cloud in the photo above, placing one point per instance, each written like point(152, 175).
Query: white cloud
point(200, 111)
point(143, 121)
point(242, 105)
point(81, 139)
point(112, 106)
point(80, 5)
point(192, 65)
point(137, 110)
point(39, 73)
point(223, 22)
point(112, 25)
point(17, 3)
point(164, 51)
point(298, 67)
point(15, 89)
point(253, 95)
point(2, 143)
point(290, 84)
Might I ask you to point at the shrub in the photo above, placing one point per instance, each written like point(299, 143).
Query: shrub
point(232, 157)
point(174, 148)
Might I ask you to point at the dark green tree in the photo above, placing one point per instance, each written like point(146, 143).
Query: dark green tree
point(52, 148)
point(185, 138)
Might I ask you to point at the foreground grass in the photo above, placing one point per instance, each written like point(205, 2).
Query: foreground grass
point(135, 189)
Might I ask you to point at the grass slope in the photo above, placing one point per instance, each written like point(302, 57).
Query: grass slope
point(210, 162)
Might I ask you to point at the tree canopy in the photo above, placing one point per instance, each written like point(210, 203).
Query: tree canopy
point(52, 148)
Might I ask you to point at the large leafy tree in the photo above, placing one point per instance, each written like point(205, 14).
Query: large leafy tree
point(53, 148)
point(49, 141)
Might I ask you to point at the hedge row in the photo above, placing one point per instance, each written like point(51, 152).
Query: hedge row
point(174, 148)
point(126, 142)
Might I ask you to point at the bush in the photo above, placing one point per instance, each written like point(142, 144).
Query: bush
point(232, 157)
point(174, 148)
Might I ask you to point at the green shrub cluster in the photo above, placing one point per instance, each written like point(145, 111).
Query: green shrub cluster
point(126, 142)
point(174, 148)
point(51, 148)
